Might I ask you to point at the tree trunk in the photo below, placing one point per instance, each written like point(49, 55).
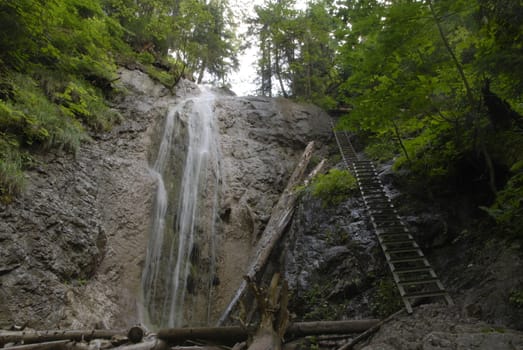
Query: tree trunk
point(300, 329)
point(28, 337)
point(398, 136)
point(278, 73)
point(370, 331)
point(222, 335)
point(52, 345)
point(280, 217)
point(156, 344)
point(235, 334)
point(461, 72)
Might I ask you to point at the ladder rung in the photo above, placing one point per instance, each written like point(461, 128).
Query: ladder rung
point(397, 242)
point(367, 182)
point(372, 190)
point(405, 260)
point(374, 198)
point(386, 217)
point(391, 230)
point(410, 241)
point(403, 250)
point(385, 227)
point(371, 196)
point(419, 281)
point(426, 294)
point(413, 269)
point(383, 209)
point(396, 235)
point(384, 213)
point(391, 222)
point(392, 238)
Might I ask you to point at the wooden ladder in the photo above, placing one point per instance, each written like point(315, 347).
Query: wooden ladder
point(412, 272)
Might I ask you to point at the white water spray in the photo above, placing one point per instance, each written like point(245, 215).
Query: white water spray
point(180, 255)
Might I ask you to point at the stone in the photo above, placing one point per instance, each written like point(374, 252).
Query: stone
point(436, 327)
point(73, 246)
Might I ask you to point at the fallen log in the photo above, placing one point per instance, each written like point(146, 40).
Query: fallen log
point(51, 345)
point(155, 344)
point(280, 217)
point(301, 329)
point(235, 334)
point(350, 345)
point(224, 335)
point(196, 347)
point(29, 337)
point(315, 172)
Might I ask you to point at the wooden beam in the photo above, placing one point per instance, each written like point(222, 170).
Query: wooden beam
point(232, 335)
point(29, 337)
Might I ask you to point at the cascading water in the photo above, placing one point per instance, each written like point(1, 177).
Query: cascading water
point(178, 275)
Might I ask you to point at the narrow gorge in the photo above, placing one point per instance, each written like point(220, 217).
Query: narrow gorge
point(156, 221)
point(159, 215)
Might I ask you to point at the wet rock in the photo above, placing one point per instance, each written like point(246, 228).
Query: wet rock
point(331, 260)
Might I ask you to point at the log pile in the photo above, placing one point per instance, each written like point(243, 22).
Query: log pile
point(272, 331)
point(178, 338)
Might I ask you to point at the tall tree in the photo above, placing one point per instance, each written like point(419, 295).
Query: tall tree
point(297, 48)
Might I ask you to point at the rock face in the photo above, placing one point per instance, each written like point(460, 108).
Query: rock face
point(331, 260)
point(73, 246)
point(442, 328)
point(261, 142)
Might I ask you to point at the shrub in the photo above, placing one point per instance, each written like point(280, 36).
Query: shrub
point(11, 175)
point(516, 298)
point(507, 209)
point(387, 299)
point(382, 150)
point(332, 188)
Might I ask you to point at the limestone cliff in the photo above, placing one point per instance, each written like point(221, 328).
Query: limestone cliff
point(73, 245)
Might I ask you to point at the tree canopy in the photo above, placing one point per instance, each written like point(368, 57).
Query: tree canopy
point(58, 59)
point(434, 83)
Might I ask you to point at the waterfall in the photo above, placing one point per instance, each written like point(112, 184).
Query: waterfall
point(178, 275)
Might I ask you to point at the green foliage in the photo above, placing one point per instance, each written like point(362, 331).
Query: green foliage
point(316, 305)
point(507, 209)
point(382, 149)
point(387, 299)
point(59, 58)
point(81, 101)
point(516, 298)
point(332, 188)
point(11, 175)
point(297, 50)
point(33, 120)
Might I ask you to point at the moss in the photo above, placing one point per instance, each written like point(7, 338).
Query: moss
point(332, 188)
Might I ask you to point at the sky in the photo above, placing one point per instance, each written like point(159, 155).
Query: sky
point(242, 81)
